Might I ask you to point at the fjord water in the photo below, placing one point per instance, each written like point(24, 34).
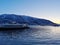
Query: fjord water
point(38, 35)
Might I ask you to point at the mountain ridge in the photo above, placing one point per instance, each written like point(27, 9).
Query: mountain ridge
point(22, 19)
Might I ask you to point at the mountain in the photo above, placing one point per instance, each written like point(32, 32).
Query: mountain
point(21, 19)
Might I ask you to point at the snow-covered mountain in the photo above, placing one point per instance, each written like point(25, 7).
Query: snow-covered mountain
point(21, 19)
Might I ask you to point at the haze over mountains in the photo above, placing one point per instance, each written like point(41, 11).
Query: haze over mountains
point(21, 19)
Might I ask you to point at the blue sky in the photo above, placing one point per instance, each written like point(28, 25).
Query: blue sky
point(48, 9)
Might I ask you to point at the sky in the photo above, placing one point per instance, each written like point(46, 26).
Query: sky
point(46, 9)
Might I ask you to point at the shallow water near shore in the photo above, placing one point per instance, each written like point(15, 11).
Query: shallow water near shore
point(39, 35)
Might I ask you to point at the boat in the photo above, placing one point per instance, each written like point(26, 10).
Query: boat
point(13, 26)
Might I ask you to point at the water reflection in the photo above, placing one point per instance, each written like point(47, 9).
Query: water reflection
point(33, 36)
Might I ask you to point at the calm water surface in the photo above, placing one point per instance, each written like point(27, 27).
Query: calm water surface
point(39, 35)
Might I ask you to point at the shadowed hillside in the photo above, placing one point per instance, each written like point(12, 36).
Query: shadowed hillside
point(20, 19)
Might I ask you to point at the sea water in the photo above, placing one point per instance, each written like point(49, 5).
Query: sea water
point(39, 35)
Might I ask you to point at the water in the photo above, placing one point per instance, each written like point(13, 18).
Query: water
point(39, 35)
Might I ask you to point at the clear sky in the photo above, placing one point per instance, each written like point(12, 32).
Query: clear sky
point(47, 9)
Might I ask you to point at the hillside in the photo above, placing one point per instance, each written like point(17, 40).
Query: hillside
point(21, 19)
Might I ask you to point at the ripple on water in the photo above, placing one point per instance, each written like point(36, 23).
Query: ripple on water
point(34, 36)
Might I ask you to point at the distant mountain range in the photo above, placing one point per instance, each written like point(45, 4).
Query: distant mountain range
point(21, 19)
